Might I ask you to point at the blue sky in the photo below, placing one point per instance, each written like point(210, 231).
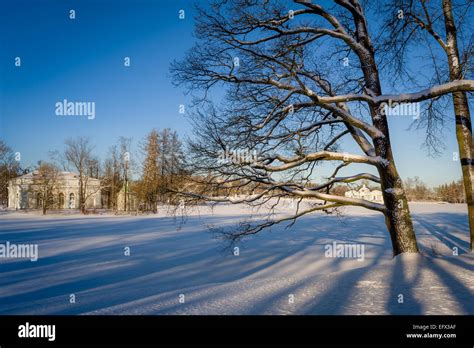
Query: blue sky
point(82, 60)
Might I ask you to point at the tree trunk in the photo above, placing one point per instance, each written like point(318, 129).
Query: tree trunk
point(397, 216)
point(464, 138)
point(462, 113)
point(82, 205)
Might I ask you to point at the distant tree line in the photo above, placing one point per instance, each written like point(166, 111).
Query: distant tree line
point(148, 178)
point(452, 192)
point(417, 190)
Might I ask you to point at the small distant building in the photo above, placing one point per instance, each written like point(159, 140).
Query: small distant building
point(365, 193)
point(23, 193)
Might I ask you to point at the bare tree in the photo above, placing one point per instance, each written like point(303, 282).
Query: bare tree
point(111, 178)
point(288, 102)
point(45, 185)
point(435, 22)
point(417, 190)
point(78, 154)
point(171, 160)
point(9, 169)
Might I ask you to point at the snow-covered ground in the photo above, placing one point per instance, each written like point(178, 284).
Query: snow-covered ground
point(280, 271)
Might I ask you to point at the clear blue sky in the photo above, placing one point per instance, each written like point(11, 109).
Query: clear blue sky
point(82, 60)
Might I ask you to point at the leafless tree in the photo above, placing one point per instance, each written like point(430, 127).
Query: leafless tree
point(417, 190)
point(170, 162)
point(289, 99)
point(78, 155)
point(112, 180)
point(9, 168)
point(45, 185)
point(445, 27)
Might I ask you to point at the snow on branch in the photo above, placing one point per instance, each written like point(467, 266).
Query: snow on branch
point(430, 93)
point(292, 162)
point(308, 193)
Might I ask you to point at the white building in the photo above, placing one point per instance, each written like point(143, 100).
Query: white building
point(365, 193)
point(22, 193)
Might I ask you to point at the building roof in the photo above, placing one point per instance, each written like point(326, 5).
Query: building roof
point(62, 174)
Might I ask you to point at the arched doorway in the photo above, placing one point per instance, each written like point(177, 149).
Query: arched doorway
point(72, 201)
point(61, 200)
